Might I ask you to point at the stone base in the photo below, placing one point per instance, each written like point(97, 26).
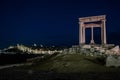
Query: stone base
point(92, 42)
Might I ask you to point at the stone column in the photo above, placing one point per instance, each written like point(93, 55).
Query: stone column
point(103, 32)
point(83, 35)
point(80, 32)
point(104, 26)
point(102, 39)
point(92, 36)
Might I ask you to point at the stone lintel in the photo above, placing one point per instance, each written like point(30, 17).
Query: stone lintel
point(92, 18)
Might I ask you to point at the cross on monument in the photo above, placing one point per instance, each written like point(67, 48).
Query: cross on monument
point(91, 22)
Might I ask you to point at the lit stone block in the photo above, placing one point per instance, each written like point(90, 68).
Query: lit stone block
point(87, 46)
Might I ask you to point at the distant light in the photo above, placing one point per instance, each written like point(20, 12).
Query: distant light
point(41, 45)
point(34, 45)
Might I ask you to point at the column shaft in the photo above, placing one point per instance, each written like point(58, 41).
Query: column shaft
point(80, 33)
point(102, 32)
point(104, 26)
point(92, 35)
point(83, 34)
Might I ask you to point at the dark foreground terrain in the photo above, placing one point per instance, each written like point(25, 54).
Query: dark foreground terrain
point(63, 67)
point(6, 59)
point(9, 74)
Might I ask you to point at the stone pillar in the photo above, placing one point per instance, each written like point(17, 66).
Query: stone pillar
point(104, 26)
point(103, 32)
point(83, 35)
point(92, 36)
point(102, 39)
point(80, 32)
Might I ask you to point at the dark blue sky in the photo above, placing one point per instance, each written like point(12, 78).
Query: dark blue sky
point(53, 22)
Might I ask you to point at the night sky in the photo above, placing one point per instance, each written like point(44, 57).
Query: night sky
point(54, 22)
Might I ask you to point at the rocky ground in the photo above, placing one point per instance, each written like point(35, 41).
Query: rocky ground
point(63, 67)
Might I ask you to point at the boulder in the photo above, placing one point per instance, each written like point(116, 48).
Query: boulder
point(111, 61)
point(116, 50)
point(118, 62)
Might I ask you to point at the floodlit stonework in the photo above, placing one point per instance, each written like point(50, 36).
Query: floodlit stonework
point(91, 22)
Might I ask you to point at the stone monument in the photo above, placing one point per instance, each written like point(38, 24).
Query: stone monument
point(91, 22)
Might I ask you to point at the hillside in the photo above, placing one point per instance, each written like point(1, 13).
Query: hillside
point(63, 67)
point(69, 63)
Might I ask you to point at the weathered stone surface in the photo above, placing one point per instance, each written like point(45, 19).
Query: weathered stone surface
point(87, 46)
point(116, 49)
point(94, 50)
point(118, 61)
point(113, 61)
point(97, 51)
point(102, 50)
point(110, 61)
